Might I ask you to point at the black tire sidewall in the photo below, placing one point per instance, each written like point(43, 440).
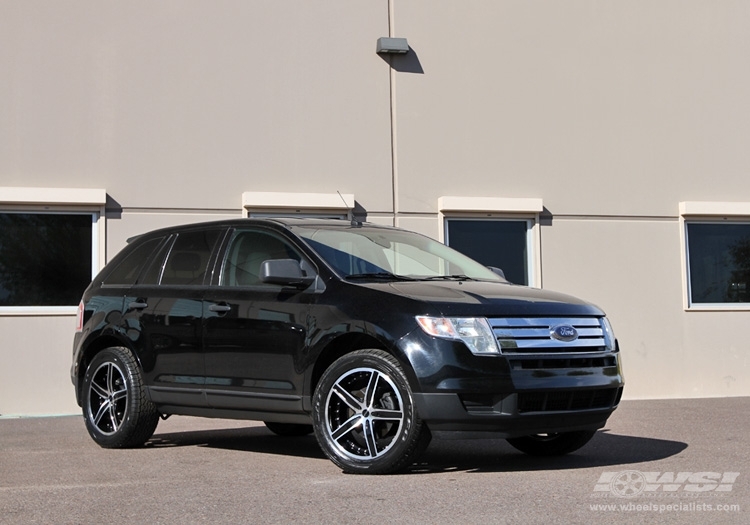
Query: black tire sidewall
point(123, 436)
point(398, 456)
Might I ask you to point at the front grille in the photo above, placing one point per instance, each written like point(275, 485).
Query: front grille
point(568, 400)
point(524, 335)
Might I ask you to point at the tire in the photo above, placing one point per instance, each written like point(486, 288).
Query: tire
point(364, 415)
point(552, 444)
point(289, 429)
point(116, 409)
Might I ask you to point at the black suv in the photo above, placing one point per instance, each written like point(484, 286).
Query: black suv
point(375, 338)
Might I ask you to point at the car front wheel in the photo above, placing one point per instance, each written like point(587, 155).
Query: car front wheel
point(116, 409)
point(364, 416)
point(552, 444)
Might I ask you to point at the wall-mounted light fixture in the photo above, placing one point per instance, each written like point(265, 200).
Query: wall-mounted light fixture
point(392, 45)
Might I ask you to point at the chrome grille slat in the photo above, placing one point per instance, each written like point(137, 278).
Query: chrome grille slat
point(537, 333)
point(530, 334)
point(530, 344)
point(544, 321)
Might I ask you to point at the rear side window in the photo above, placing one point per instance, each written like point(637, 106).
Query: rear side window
point(127, 270)
point(188, 259)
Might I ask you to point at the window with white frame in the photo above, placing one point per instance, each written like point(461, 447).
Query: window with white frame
point(502, 243)
point(49, 249)
point(281, 204)
point(719, 261)
point(717, 254)
point(497, 232)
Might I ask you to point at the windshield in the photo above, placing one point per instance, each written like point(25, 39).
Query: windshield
point(379, 253)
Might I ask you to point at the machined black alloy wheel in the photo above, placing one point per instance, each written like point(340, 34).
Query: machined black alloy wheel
point(116, 409)
point(364, 416)
point(107, 398)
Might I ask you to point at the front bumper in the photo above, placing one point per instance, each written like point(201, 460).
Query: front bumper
point(464, 416)
point(511, 395)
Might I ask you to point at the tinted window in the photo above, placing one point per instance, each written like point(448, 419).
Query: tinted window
point(499, 243)
point(247, 252)
point(127, 270)
point(719, 261)
point(45, 258)
point(189, 256)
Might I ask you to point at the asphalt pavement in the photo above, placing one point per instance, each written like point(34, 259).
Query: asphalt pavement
point(666, 461)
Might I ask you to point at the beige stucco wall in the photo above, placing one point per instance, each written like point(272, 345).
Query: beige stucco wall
point(35, 357)
point(631, 269)
point(611, 113)
point(601, 108)
point(154, 102)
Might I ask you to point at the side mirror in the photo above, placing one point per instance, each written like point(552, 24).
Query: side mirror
point(285, 272)
point(499, 272)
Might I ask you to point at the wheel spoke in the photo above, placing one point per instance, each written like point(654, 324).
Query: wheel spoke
point(103, 409)
point(99, 390)
point(371, 438)
point(351, 401)
point(372, 385)
point(380, 414)
point(347, 426)
point(110, 375)
point(113, 417)
point(120, 394)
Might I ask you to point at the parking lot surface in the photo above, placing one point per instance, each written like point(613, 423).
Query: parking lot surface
point(667, 461)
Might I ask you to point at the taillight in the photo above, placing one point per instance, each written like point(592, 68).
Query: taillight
point(79, 317)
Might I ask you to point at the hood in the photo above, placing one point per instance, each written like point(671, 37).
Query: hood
point(487, 299)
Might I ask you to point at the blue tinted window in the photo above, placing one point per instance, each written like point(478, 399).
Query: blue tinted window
point(719, 262)
point(45, 258)
point(499, 243)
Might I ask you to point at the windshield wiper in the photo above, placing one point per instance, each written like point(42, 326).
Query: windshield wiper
point(387, 276)
point(456, 277)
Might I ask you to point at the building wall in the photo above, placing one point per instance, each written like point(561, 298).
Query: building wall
point(610, 113)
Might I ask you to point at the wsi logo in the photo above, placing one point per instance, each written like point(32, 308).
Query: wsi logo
point(631, 483)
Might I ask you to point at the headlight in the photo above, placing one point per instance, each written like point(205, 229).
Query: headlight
point(609, 335)
point(475, 332)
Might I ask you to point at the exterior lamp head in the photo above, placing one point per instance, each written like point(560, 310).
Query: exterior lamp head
point(387, 45)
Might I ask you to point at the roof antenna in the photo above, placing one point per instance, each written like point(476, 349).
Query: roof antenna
point(355, 222)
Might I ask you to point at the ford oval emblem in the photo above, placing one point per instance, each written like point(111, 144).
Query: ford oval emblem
point(564, 332)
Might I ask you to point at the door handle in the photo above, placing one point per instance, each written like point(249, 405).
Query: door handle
point(220, 308)
point(137, 305)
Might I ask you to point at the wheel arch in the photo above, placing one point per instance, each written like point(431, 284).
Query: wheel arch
point(91, 349)
point(342, 345)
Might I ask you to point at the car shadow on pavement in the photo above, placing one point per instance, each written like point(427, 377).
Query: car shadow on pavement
point(249, 439)
point(496, 455)
point(482, 455)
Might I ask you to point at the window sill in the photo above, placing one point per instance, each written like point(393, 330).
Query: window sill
point(718, 307)
point(37, 311)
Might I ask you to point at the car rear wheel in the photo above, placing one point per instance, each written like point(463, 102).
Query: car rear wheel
point(116, 409)
point(289, 429)
point(364, 415)
point(557, 444)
